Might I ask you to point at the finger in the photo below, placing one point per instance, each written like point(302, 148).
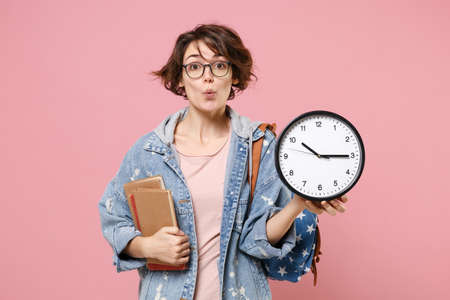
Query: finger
point(170, 229)
point(173, 230)
point(328, 208)
point(181, 239)
point(314, 204)
point(338, 205)
point(183, 260)
point(180, 232)
point(180, 252)
point(185, 246)
point(313, 208)
point(186, 252)
point(343, 198)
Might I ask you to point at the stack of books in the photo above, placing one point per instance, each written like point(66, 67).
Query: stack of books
point(152, 208)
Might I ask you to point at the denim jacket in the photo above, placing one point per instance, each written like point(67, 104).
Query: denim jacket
point(243, 243)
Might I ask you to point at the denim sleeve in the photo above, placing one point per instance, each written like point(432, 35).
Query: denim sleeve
point(116, 220)
point(270, 196)
point(298, 262)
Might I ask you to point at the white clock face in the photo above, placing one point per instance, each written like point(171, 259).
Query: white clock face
point(320, 156)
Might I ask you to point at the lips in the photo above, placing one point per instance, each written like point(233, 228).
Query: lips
point(209, 94)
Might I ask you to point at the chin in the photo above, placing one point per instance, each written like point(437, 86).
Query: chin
point(208, 105)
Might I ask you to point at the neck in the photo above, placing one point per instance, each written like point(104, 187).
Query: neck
point(204, 126)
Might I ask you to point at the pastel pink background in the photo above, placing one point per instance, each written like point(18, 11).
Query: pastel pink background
point(75, 96)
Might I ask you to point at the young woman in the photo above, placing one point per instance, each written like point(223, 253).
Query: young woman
point(202, 152)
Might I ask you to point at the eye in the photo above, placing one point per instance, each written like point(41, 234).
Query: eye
point(194, 66)
point(220, 65)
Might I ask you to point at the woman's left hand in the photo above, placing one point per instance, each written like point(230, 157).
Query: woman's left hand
point(331, 207)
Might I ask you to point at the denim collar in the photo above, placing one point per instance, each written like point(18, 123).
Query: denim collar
point(162, 138)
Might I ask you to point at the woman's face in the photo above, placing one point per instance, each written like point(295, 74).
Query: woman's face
point(196, 89)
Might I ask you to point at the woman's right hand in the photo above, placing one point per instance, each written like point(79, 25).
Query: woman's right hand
point(169, 245)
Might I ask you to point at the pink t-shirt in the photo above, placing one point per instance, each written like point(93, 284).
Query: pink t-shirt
point(205, 176)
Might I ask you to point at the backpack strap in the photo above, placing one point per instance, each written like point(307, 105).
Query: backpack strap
point(256, 156)
point(317, 252)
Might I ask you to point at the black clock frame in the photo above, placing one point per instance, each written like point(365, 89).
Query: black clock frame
point(283, 133)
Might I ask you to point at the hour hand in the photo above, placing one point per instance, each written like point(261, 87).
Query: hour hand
point(309, 148)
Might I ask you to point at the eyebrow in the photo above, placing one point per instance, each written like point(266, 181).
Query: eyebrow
point(198, 55)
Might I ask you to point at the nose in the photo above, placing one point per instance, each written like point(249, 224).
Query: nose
point(207, 75)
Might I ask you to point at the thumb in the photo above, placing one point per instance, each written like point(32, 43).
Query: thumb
point(171, 230)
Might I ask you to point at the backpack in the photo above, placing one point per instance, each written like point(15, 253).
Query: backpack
point(296, 263)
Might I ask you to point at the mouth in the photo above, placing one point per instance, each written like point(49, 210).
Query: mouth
point(209, 92)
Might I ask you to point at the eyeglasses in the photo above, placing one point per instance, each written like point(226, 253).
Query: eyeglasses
point(219, 69)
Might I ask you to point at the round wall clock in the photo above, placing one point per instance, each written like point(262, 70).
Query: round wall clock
point(319, 155)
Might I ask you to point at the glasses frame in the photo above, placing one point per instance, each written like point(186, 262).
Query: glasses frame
point(210, 68)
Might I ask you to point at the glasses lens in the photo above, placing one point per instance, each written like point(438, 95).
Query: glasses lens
point(220, 68)
point(194, 70)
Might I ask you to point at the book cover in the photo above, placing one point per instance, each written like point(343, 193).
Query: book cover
point(152, 208)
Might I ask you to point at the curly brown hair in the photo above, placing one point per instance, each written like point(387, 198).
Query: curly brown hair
point(223, 41)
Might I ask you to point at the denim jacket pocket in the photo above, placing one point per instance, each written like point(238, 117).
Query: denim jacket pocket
point(269, 179)
point(259, 276)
